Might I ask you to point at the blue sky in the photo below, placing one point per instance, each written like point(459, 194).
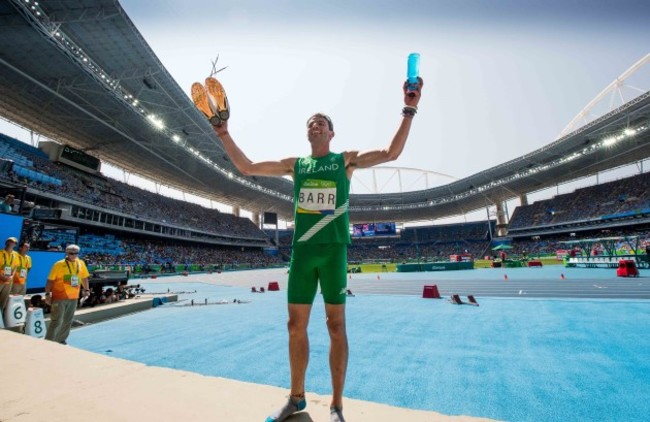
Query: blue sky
point(502, 78)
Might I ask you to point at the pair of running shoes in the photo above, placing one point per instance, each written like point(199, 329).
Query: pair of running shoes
point(211, 100)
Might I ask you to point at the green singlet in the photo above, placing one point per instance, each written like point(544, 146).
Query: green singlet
point(321, 234)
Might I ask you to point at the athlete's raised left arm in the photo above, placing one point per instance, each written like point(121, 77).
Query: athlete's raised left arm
point(356, 159)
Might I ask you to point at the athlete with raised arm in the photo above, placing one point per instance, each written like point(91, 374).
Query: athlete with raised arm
point(321, 235)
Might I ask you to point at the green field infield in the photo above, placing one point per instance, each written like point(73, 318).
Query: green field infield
point(479, 263)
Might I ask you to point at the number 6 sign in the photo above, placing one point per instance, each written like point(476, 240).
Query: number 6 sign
point(15, 311)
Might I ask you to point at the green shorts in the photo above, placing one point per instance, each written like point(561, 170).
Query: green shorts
point(311, 263)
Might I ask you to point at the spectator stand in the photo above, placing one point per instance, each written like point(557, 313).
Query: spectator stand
point(611, 205)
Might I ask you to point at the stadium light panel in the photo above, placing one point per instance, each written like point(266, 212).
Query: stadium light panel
point(159, 124)
point(609, 141)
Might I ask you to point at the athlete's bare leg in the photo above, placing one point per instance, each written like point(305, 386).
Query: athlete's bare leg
point(298, 345)
point(338, 351)
point(298, 359)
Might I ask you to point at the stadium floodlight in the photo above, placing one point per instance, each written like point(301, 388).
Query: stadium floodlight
point(158, 124)
point(609, 141)
point(629, 132)
point(572, 157)
point(176, 138)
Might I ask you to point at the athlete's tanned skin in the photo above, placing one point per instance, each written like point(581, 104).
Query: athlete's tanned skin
point(320, 133)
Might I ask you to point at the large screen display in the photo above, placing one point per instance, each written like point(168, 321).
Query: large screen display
point(373, 229)
point(79, 157)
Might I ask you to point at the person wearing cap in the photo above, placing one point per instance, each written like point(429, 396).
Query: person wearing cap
point(62, 289)
point(6, 204)
point(9, 263)
point(24, 266)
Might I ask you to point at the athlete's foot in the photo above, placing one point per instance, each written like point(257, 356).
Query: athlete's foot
point(217, 98)
point(336, 414)
point(287, 410)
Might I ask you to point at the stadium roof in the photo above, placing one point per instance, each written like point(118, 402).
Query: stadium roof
point(81, 73)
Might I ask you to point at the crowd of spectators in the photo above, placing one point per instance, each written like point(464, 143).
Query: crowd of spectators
point(157, 252)
point(549, 245)
point(607, 200)
point(448, 232)
point(120, 197)
point(425, 243)
point(396, 251)
point(436, 242)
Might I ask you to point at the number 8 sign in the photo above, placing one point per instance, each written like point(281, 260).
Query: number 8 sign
point(35, 324)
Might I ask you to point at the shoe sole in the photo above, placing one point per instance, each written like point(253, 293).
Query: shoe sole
point(217, 99)
point(200, 99)
point(202, 102)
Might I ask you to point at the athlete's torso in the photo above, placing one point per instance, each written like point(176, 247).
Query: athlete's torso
point(321, 196)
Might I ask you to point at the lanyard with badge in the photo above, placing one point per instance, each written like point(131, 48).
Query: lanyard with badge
point(72, 278)
point(23, 268)
point(7, 268)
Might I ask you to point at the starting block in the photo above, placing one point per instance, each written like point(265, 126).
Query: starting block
point(273, 286)
point(15, 311)
point(431, 292)
point(627, 268)
point(35, 323)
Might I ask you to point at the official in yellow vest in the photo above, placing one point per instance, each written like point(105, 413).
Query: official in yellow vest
point(24, 266)
point(62, 290)
point(8, 265)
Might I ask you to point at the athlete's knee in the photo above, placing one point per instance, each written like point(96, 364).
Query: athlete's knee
point(336, 326)
point(297, 325)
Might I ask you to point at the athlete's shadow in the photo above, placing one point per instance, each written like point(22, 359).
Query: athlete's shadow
point(300, 417)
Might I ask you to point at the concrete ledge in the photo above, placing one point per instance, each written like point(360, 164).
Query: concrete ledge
point(46, 381)
point(118, 309)
point(113, 310)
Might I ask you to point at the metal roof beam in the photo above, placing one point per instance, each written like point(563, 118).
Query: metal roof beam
point(82, 14)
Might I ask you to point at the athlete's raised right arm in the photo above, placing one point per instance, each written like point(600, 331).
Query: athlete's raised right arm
point(245, 165)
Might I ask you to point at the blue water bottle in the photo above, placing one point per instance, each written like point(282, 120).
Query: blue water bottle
point(412, 73)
